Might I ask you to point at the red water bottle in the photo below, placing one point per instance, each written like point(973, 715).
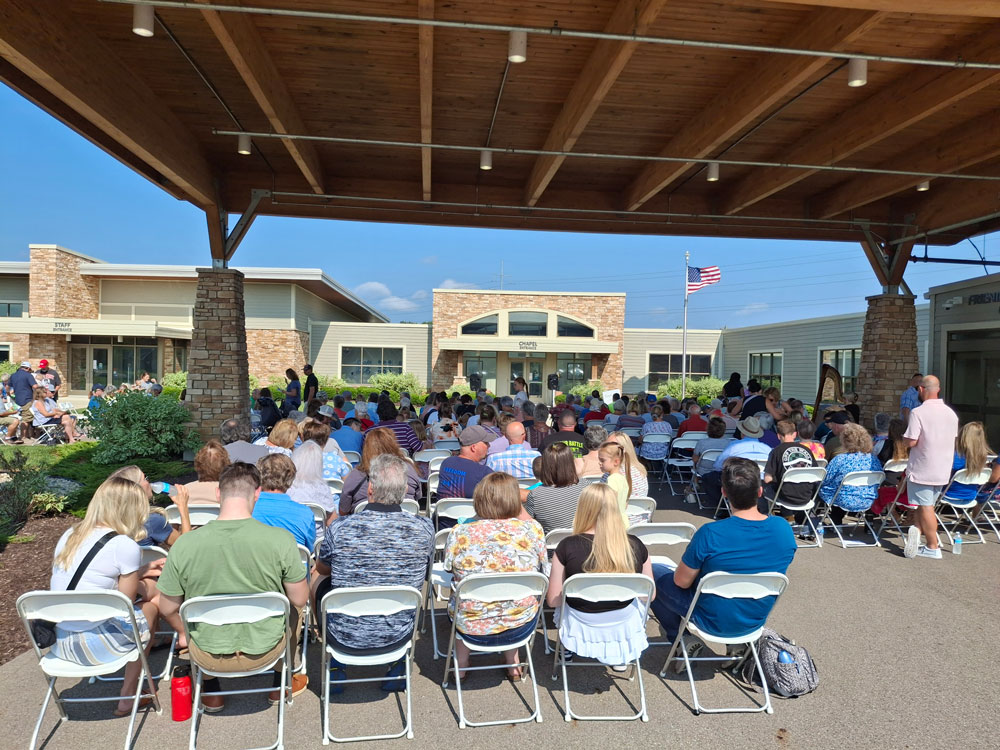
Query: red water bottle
point(180, 694)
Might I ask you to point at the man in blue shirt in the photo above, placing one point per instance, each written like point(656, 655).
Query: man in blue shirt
point(275, 508)
point(460, 474)
point(746, 542)
point(750, 446)
point(910, 399)
point(349, 435)
point(21, 382)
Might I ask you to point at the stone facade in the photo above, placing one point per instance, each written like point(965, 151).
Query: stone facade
point(55, 349)
point(605, 313)
point(888, 354)
point(273, 351)
point(218, 361)
point(58, 290)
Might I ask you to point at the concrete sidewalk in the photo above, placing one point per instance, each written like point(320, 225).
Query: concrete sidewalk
point(903, 649)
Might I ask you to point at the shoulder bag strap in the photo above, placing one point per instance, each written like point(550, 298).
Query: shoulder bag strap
point(82, 567)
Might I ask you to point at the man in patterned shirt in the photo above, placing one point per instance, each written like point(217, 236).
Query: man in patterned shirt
point(910, 399)
point(517, 459)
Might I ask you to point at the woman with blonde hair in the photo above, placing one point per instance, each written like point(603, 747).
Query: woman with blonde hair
point(46, 411)
point(972, 453)
point(617, 468)
point(377, 441)
point(614, 633)
point(281, 438)
point(637, 472)
point(496, 542)
point(114, 520)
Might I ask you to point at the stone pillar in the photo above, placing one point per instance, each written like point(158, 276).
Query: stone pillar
point(218, 379)
point(889, 354)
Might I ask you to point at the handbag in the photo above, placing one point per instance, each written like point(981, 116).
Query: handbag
point(44, 632)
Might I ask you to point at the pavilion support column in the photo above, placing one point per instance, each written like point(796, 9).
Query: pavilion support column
point(889, 354)
point(218, 371)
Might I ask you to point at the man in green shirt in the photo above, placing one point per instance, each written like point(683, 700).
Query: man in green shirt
point(235, 554)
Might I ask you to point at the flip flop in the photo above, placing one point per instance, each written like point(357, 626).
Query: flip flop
point(397, 670)
point(143, 703)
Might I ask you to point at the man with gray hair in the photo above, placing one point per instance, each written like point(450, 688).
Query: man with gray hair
point(235, 434)
point(881, 431)
point(382, 545)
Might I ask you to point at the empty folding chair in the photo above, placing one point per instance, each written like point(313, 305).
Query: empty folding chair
point(455, 508)
point(946, 501)
point(708, 457)
point(486, 588)
point(438, 589)
point(852, 479)
point(800, 475)
point(680, 461)
point(236, 609)
point(602, 587)
point(552, 540)
point(352, 457)
point(369, 601)
point(639, 510)
point(728, 586)
point(199, 513)
point(83, 606)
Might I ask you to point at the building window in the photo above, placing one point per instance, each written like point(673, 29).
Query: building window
point(534, 324)
point(11, 309)
point(4, 352)
point(572, 328)
point(765, 367)
point(358, 364)
point(573, 369)
point(487, 326)
point(180, 355)
point(847, 362)
point(663, 367)
point(483, 365)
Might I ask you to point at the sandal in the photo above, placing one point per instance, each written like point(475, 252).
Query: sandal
point(514, 674)
point(145, 702)
point(397, 670)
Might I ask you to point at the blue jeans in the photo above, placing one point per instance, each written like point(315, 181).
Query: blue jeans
point(671, 602)
point(503, 638)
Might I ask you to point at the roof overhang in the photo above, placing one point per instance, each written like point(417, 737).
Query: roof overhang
point(14, 268)
point(94, 327)
point(513, 344)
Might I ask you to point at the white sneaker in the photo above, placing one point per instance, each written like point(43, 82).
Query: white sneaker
point(912, 545)
point(925, 551)
point(694, 648)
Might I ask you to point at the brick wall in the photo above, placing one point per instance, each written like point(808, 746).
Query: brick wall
point(217, 359)
point(888, 354)
point(52, 347)
point(57, 289)
point(271, 351)
point(605, 314)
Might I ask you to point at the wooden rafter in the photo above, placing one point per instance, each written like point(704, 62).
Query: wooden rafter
point(605, 64)
point(961, 203)
point(752, 94)
point(914, 96)
point(969, 143)
point(239, 37)
point(84, 74)
point(981, 8)
point(877, 259)
point(425, 9)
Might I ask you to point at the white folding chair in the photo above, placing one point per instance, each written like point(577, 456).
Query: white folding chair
point(430, 454)
point(525, 483)
point(434, 466)
point(50, 434)
point(631, 431)
point(852, 479)
point(233, 609)
point(709, 457)
point(602, 587)
point(696, 434)
point(307, 557)
point(681, 462)
point(319, 517)
point(433, 482)
point(639, 510)
point(437, 590)
point(888, 516)
point(822, 462)
point(961, 507)
point(656, 437)
point(199, 513)
point(352, 457)
point(86, 606)
point(801, 475)
point(336, 486)
point(451, 444)
point(409, 505)
point(663, 534)
point(989, 513)
point(728, 586)
point(369, 601)
point(486, 588)
point(552, 540)
point(455, 508)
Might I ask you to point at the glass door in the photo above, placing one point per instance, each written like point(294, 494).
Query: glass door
point(99, 366)
point(78, 369)
point(531, 371)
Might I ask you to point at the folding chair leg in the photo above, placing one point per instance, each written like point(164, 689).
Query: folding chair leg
point(41, 714)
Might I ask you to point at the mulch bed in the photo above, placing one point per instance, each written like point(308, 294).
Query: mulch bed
point(26, 566)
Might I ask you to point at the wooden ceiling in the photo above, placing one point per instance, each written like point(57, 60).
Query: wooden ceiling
point(154, 102)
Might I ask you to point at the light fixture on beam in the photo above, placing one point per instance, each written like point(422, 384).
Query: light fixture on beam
point(712, 175)
point(857, 72)
point(924, 186)
point(143, 20)
point(243, 145)
point(517, 47)
point(486, 160)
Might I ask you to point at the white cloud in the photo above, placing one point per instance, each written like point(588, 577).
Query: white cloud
point(419, 294)
point(453, 284)
point(397, 304)
point(372, 289)
point(753, 307)
point(429, 260)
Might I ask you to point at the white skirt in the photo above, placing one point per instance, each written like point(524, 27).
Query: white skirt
point(613, 638)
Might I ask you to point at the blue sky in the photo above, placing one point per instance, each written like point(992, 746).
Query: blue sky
point(58, 188)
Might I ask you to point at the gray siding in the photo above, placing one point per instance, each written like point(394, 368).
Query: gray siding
point(327, 338)
point(641, 342)
point(310, 307)
point(148, 291)
point(14, 289)
point(268, 305)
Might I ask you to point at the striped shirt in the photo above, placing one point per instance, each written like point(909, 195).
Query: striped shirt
point(554, 507)
point(516, 461)
point(404, 435)
point(380, 546)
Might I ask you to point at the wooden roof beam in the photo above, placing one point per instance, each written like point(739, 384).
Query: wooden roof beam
point(605, 64)
point(754, 92)
point(963, 146)
point(425, 55)
point(982, 8)
point(85, 76)
point(960, 204)
point(914, 96)
point(239, 37)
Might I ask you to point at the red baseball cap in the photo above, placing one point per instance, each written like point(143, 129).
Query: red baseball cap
point(43, 363)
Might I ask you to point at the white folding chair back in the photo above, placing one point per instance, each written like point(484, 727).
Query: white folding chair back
point(663, 534)
point(369, 601)
point(151, 554)
point(896, 465)
point(488, 588)
point(319, 514)
point(596, 588)
point(695, 434)
point(822, 462)
point(710, 455)
point(199, 513)
point(801, 475)
point(306, 556)
point(336, 486)
point(525, 483)
point(87, 606)
point(728, 586)
point(639, 510)
point(409, 505)
point(454, 508)
point(961, 508)
point(855, 479)
point(451, 444)
point(352, 457)
point(552, 539)
point(438, 588)
point(429, 454)
point(631, 431)
point(435, 463)
point(433, 482)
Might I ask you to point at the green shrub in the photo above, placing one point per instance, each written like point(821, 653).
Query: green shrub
point(396, 382)
point(585, 390)
point(16, 494)
point(331, 384)
point(172, 393)
point(8, 367)
point(48, 504)
point(176, 380)
point(707, 389)
point(135, 425)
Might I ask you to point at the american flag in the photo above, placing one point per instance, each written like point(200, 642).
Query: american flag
point(701, 277)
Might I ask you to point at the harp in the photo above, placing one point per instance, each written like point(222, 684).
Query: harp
point(830, 389)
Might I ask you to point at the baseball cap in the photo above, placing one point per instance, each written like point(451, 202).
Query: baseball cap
point(43, 363)
point(476, 434)
point(716, 403)
point(326, 410)
point(323, 396)
point(98, 386)
point(838, 417)
point(26, 363)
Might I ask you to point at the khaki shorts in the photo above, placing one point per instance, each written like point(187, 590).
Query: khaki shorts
point(922, 494)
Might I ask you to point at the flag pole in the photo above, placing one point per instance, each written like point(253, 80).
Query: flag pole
point(684, 336)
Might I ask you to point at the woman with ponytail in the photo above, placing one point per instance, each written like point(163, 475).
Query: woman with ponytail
point(611, 632)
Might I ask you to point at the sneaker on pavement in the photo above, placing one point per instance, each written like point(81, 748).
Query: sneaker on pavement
point(299, 684)
point(694, 647)
point(925, 551)
point(912, 545)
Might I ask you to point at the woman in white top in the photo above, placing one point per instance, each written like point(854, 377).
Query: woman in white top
point(309, 485)
point(520, 392)
point(119, 506)
point(47, 411)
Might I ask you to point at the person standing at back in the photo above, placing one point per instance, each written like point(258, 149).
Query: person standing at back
point(931, 433)
point(910, 399)
point(311, 388)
